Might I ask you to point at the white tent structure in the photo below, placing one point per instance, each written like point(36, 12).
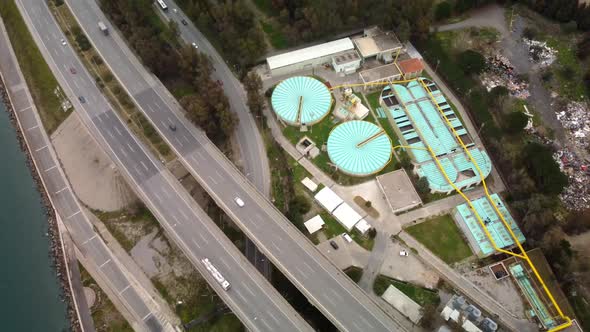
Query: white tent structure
point(362, 226)
point(314, 224)
point(346, 216)
point(328, 199)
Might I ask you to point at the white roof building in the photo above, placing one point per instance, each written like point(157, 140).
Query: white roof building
point(309, 184)
point(328, 199)
point(314, 224)
point(309, 56)
point(362, 226)
point(346, 216)
point(470, 327)
point(403, 303)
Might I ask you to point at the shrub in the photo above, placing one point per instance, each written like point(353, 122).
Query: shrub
point(541, 167)
point(443, 10)
point(472, 62)
point(515, 122)
point(529, 33)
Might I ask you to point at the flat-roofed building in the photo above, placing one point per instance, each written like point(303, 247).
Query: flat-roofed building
point(386, 73)
point(378, 44)
point(347, 62)
point(307, 58)
point(411, 68)
point(399, 191)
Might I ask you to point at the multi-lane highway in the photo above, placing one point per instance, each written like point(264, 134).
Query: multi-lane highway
point(145, 311)
point(186, 224)
point(330, 290)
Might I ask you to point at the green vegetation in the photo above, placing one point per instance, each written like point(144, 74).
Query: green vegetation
point(354, 273)
point(441, 236)
point(473, 62)
point(567, 70)
point(333, 228)
point(581, 308)
point(44, 88)
point(277, 38)
point(543, 169)
point(420, 295)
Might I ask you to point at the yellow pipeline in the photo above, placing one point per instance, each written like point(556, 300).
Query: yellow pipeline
point(376, 83)
point(524, 254)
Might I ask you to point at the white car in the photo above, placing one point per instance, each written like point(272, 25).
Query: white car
point(195, 45)
point(404, 253)
point(239, 201)
point(347, 237)
point(63, 42)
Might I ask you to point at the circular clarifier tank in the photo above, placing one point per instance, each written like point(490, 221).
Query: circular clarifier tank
point(359, 148)
point(301, 100)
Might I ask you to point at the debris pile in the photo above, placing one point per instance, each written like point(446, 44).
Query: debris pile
point(576, 195)
point(539, 52)
point(575, 118)
point(500, 72)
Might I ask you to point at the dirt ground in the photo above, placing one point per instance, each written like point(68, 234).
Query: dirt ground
point(92, 174)
point(408, 268)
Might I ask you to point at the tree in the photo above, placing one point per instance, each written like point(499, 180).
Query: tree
point(583, 47)
point(472, 61)
point(498, 94)
point(543, 169)
point(422, 185)
point(403, 31)
point(253, 86)
point(429, 316)
point(443, 11)
point(515, 122)
point(372, 233)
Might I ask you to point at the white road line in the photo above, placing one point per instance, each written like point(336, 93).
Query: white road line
point(124, 289)
point(146, 316)
point(183, 214)
point(265, 324)
point(123, 152)
point(105, 263)
point(118, 131)
point(223, 262)
point(366, 322)
point(176, 219)
point(273, 317)
point(138, 170)
point(50, 168)
point(99, 119)
point(249, 289)
point(62, 189)
point(275, 245)
point(75, 81)
point(151, 108)
point(130, 147)
point(196, 243)
point(203, 238)
point(195, 159)
point(170, 120)
point(144, 165)
point(241, 296)
point(200, 154)
point(186, 138)
point(166, 192)
point(74, 214)
point(212, 180)
point(41, 148)
point(25, 109)
point(301, 272)
point(163, 124)
point(34, 127)
point(329, 299)
point(110, 133)
point(157, 197)
point(335, 293)
point(219, 174)
point(178, 141)
point(90, 239)
point(358, 326)
point(307, 266)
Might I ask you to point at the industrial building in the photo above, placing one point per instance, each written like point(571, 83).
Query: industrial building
point(307, 58)
point(420, 113)
point(342, 211)
point(359, 148)
point(411, 68)
point(347, 62)
point(467, 316)
point(378, 44)
point(301, 100)
point(471, 227)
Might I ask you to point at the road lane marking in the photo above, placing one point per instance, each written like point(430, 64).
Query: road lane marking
point(266, 324)
point(176, 219)
point(223, 262)
point(90, 239)
point(123, 152)
point(249, 290)
point(110, 133)
point(275, 245)
point(118, 131)
point(366, 322)
point(150, 108)
point(307, 266)
point(124, 289)
point(336, 295)
point(203, 238)
point(242, 296)
point(219, 174)
point(186, 138)
point(196, 243)
point(157, 197)
point(41, 148)
point(105, 263)
point(163, 124)
point(178, 141)
point(358, 326)
point(200, 154)
point(183, 214)
point(195, 159)
point(25, 109)
point(50, 168)
point(146, 316)
point(144, 165)
point(34, 127)
point(212, 180)
point(74, 214)
point(62, 189)
point(273, 317)
point(130, 147)
point(301, 272)
point(139, 172)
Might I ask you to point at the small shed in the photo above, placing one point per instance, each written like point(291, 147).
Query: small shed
point(309, 184)
point(411, 68)
point(362, 226)
point(346, 216)
point(314, 224)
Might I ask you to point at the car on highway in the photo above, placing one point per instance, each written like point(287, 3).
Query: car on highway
point(63, 42)
point(239, 201)
point(73, 70)
point(334, 244)
point(175, 10)
point(195, 45)
point(184, 22)
point(404, 253)
point(82, 99)
point(172, 127)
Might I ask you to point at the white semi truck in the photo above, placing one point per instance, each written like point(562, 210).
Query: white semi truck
point(215, 273)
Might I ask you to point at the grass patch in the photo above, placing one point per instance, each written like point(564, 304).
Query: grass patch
point(44, 88)
point(276, 36)
point(441, 236)
point(420, 295)
point(581, 308)
point(266, 7)
point(373, 99)
point(354, 273)
point(333, 228)
point(567, 69)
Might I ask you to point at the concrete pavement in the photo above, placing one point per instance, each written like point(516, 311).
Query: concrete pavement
point(342, 301)
point(188, 225)
point(145, 311)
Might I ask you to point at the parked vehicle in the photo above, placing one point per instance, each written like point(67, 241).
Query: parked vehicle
point(239, 201)
point(347, 237)
point(184, 22)
point(334, 244)
point(82, 99)
point(172, 127)
point(404, 253)
point(103, 28)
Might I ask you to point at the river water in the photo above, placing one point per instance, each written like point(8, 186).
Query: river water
point(29, 288)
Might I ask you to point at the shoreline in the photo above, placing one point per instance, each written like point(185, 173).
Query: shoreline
point(58, 260)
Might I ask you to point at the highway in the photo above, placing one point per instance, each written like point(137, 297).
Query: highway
point(144, 310)
point(253, 151)
point(184, 221)
point(330, 290)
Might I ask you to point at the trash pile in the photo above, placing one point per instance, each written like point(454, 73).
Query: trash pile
point(576, 195)
point(500, 72)
point(575, 118)
point(539, 52)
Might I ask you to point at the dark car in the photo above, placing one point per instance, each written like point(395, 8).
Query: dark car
point(334, 244)
point(172, 127)
point(82, 99)
point(72, 70)
point(184, 22)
